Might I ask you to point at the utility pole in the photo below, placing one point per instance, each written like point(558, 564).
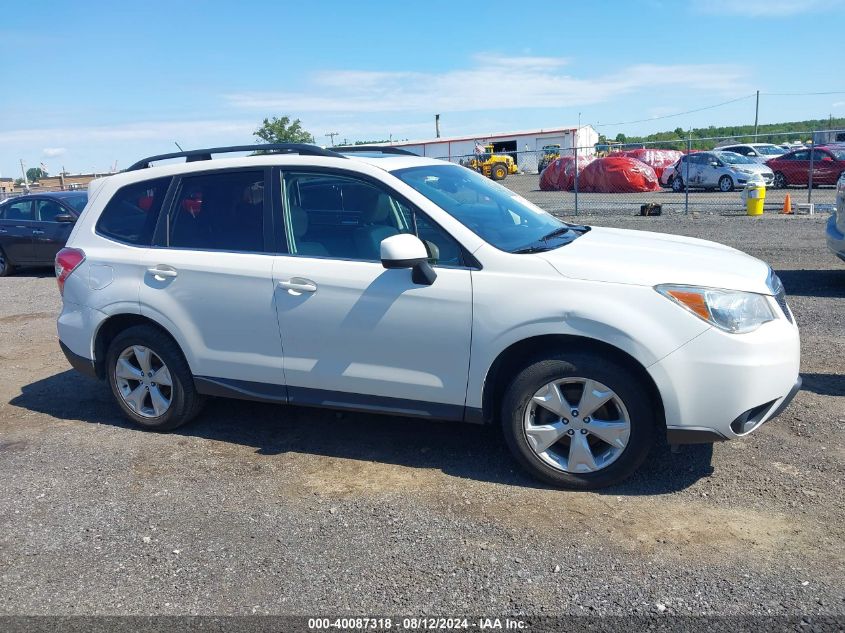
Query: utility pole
point(756, 115)
point(437, 125)
point(23, 173)
point(331, 135)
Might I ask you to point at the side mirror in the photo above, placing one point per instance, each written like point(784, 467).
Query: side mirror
point(827, 159)
point(408, 251)
point(64, 217)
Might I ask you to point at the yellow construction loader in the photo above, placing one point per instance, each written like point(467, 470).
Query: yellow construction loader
point(495, 166)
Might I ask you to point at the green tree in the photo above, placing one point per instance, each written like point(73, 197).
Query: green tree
point(282, 130)
point(621, 138)
point(34, 174)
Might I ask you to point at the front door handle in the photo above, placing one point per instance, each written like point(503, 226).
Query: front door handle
point(161, 273)
point(298, 284)
point(37, 232)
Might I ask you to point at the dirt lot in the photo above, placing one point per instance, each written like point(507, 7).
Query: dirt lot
point(262, 509)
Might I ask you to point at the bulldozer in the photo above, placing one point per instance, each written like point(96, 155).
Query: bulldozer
point(494, 166)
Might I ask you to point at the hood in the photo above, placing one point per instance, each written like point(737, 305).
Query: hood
point(644, 258)
point(757, 167)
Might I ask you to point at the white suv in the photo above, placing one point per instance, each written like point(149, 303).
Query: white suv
point(385, 282)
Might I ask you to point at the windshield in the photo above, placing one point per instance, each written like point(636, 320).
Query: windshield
point(770, 150)
point(77, 201)
point(496, 214)
point(735, 159)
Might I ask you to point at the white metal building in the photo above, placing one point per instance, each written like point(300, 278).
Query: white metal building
point(525, 147)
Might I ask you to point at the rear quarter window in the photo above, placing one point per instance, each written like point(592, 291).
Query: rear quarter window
point(131, 214)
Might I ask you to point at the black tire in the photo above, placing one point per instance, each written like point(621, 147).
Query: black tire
point(726, 184)
point(780, 181)
point(499, 172)
point(185, 403)
point(626, 385)
point(5, 267)
point(677, 184)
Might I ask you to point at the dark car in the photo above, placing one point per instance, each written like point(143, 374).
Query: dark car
point(793, 168)
point(34, 227)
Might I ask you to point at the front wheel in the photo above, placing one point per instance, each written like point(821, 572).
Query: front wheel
point(151, 380)
point(578, 421)
point(726, 184)
point(499, 172)
point(677, 184)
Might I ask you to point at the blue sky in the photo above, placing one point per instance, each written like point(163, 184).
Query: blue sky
point(91, 83)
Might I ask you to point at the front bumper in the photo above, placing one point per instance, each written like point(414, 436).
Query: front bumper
point(835, 238)
point(724, 386)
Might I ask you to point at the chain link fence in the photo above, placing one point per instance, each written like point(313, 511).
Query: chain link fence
point(705, 175)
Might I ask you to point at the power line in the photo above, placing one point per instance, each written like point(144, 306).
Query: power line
point(669, 116)
point(801, 94)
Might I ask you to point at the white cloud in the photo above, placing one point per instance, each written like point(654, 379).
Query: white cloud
point(493, 83)
point(52, 152)
point(765, 8)
point(167, 130)
point(837, 105)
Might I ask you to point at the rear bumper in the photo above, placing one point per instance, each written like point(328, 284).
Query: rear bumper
point(79, 363)
point(835, 239)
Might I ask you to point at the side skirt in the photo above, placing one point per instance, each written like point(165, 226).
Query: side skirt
point(302, 396)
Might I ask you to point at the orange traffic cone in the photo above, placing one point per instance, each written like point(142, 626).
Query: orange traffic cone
point(787, 205)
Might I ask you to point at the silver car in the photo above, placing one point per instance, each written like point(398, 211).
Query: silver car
point(836, 223)
point(718, 170)
point(758, 152)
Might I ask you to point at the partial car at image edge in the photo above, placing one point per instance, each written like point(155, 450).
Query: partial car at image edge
point(34, 227)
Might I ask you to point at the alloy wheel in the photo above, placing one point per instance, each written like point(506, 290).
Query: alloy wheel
point(577, 425)
point(143, 381)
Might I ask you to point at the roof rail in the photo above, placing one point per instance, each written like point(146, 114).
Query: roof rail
point(190, 156)
point(384, 149)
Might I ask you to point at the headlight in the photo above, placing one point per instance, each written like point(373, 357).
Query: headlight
point(729, 310)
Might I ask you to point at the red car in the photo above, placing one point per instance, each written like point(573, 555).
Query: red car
point(793, 168)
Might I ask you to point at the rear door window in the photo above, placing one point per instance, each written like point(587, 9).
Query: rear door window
point(131, 215)
point(17, 211)
point(220, 211)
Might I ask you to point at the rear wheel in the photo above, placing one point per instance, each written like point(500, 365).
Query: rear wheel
point(726, 184)
point(151, 380)
point(499, 172)
point(5, 266)
point(780, 181)
point(578, 421)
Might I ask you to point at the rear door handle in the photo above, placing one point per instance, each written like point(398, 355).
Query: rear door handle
point(162, 272)
point(298, 284)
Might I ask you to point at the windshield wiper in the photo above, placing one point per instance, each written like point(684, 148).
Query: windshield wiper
point(531, 249)
point(540, 245)
point(563, 230)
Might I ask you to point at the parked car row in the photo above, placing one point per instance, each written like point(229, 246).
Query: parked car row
point(34, 227)
point(730, 166)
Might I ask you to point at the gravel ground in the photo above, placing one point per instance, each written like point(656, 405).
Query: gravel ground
point(261, 509)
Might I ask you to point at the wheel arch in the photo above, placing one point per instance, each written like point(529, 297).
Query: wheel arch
point(114, 325)
point(512, 359)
